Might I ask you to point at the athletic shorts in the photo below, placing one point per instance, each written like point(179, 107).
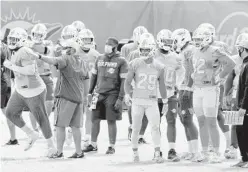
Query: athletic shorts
point(206, 101)
point(68, 113)
point(105, 108)
point(49, 86)
point(5, 95)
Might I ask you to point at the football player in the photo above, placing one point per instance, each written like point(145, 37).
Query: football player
point(173, 76)
point(224, 128)
point(211, 66)
point(181, 45)
point(125, 52)
point(148, 75)
point(40, 45)
point(86, 41)
point(30, 90)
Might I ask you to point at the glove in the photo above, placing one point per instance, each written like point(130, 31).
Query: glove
point(128, 100)
point(186, 95)
point(118, 105)
point(8, 64)
point(89, 99)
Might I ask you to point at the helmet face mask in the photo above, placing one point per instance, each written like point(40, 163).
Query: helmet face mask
point(146, 45)
point(164, 40)
point(202, 37)
point(69, 32)
point(38, 33)
point(16, 38)
point(180, 38)
point(86, 39)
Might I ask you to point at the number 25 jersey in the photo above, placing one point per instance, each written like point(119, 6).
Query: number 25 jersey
point(146, 78)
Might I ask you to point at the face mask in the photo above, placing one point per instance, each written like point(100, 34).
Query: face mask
point(108, 49)
point(240, 51)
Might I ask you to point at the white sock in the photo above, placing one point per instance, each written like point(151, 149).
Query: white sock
point(94, 144)
point(190, 147)
point(228, 139)
point(27, 130)
point(50, 143)
point(195, 146)
point(172, 145)
point(87, 137)
point(141, 136)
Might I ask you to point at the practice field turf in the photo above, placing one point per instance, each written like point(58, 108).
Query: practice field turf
point(13, 158)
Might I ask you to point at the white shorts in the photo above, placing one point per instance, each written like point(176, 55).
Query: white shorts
point(206, 101)
point(150, 109)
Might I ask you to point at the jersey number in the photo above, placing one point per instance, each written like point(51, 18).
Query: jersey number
point(150, 79)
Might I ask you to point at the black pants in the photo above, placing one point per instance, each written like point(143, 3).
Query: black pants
point(242, 135)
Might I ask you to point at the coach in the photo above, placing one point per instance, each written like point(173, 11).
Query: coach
point(242, 97)
point(107, 81)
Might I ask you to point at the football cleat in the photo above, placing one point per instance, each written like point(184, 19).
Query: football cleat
point(172, 156)
point(90, 148)
point(32, 139)
point(158, 157)
point(12, 142)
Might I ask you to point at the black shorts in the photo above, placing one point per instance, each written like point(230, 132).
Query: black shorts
point(105, 108)
point(5, 95)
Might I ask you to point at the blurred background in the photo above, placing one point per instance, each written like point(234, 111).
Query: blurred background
point(119, 18)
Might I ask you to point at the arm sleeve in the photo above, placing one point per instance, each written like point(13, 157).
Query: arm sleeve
point(229, 83)
point(244, 101)
point(162, 87)
point(130, 76)
point(123, 74)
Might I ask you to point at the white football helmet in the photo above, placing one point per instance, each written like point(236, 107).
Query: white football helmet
point(137, 32)
point(147, 45)
point(86, 39)
point(180, 38)
point(69, 32)
point(78, 25)
point(202, 37)
point(38, 33)
point(210, 27)
point(17, 38)
point(242, 40)
point(164, 39)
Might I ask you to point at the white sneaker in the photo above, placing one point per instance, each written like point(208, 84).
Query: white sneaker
point(214, 157)
point(51, 151)
point(231, 153)
point(69, 137)
point(86, 143)
point(136, 156)
point(198, 157)
point(31, 140)
point(158, 157)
